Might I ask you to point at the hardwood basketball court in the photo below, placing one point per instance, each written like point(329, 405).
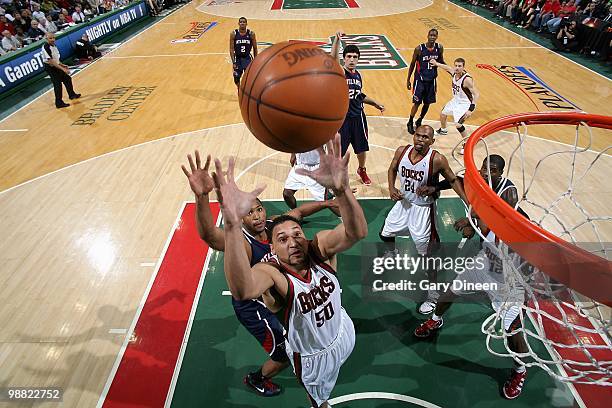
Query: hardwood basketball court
point(103, 278)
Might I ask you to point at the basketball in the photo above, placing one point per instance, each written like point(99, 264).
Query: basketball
point(293, 97)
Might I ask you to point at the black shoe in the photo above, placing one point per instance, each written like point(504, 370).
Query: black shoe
point(75, 96)
point(62, 104)
point(265, 388)
point(410, 127)
point(418, 123)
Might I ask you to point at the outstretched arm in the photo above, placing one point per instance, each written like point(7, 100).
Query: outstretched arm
point(369, 101)
point(335, 50)
point(202, 184)
point(308, 209)
point(244, 282)
point(441, 163)
point(333, 174)
point(445, 67)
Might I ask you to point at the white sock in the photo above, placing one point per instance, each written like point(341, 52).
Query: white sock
point(519, 368)
point(435, 317)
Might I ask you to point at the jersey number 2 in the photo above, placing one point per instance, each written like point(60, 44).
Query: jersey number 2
point(324, 314)
point(243, 49)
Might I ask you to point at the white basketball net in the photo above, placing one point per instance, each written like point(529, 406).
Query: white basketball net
point(567, 334)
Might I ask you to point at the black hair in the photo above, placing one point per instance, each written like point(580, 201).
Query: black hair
point(280, 220)
point(497, 160)
point(243, 18)
point(351, 48)
point(433, 29)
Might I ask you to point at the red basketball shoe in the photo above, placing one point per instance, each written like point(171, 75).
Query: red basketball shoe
point(513, 387)
point(428, 328)
point(361, 172)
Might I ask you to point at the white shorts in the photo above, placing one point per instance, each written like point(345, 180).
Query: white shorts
point(418, 222)
point(297, 182)
point(505, 298)
point(318, 372)
point(456, 108)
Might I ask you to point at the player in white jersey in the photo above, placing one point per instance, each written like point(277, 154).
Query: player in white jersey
point(413, 215)
point(465, 96)
point(488, 269)
point(301, 283)
point(309, 161)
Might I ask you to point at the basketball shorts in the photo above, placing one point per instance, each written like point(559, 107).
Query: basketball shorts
point(241, 65)
point(297, 182)
point(505, 298)
point(456, 108)
point(354, 131)
point(418, 222)
point(263, 325)
point(424, 91)
point(318, 372)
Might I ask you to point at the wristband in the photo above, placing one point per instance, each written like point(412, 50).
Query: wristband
point(472, 107)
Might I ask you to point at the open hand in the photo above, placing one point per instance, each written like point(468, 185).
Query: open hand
point(333, 169)
point(199, 179)
point(235, 203)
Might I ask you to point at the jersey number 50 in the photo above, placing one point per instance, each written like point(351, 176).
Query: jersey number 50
point(324, 314)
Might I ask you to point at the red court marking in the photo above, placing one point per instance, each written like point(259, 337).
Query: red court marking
point(277, 5)
point(351, 3)
point(145, 372)
point(594, 396)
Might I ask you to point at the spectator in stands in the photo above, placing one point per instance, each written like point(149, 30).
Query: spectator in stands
point(567, 38)
point(20, 35)
point(566, 11)
point(67, 16)
point(550, 10)
point(78, 16)
point(35, 32)
point(36, 13)
point(597, 43)
point(84, 50)
point(61, 22)
point(5, 25)
point(524, 12)
point(19, 22)
point(26, 15)
point(51, 27)
point(88, 11)
point(10, 42)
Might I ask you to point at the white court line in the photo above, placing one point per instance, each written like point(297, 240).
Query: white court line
point(169, 55)
point(525, 38)
point(383, 396)
point(145, 264)
point(14, 130)
point(94, 62)
point(117, 331)
point(194, 308)
point(113, 371)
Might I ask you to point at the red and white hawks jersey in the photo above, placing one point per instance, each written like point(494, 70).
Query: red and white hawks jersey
point(312, 316)
point(414, 175)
